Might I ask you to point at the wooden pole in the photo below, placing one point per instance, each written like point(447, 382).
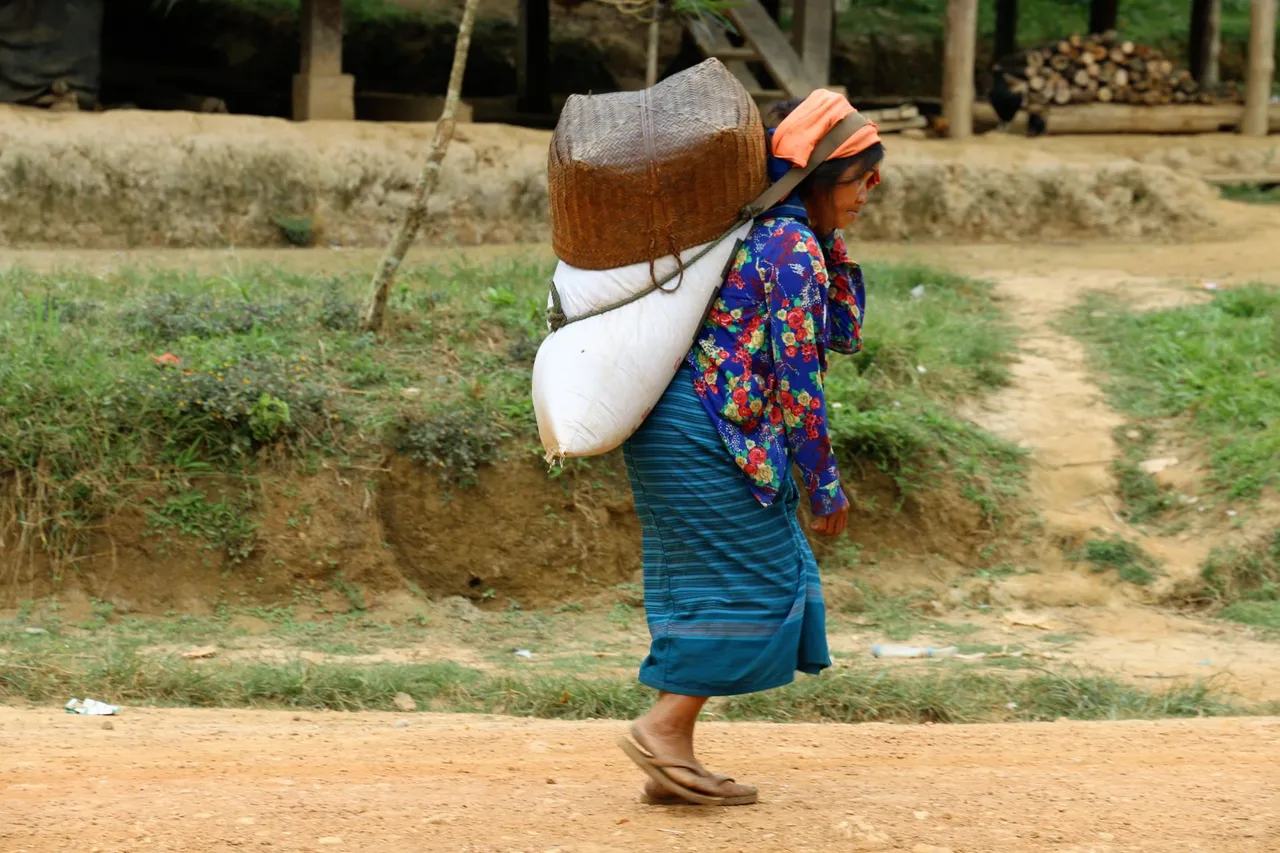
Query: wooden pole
point(959, 55)
point(1206, 41)
point(1262, 67)
point(1103, 15)
point(533, 57)
point(376, 308)
point(320, 89)
point(1006, 28)
point(812, 33)
point(321, 22)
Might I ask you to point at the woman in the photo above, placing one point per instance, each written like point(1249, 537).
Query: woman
point(732, 594)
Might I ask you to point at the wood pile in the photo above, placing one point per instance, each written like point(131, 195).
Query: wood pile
point(897, 119)
point(1100, 68)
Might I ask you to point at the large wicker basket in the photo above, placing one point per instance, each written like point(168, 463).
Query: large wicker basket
point(635, 176)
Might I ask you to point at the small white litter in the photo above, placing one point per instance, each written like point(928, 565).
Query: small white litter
point(524, 653)
point(91, 708)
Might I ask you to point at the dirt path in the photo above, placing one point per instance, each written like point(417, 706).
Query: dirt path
point(199, 781)
point(1055, 408)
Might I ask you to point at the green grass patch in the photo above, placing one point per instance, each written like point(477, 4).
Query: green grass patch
point(932, 341)
point(1143, 499)
point(1212, 370)
point(898, 617)
point(181, 378)
point(1258, 614)
point(1252, 193)
point(943, 693)
point(1125, 558)
point(1244, 576)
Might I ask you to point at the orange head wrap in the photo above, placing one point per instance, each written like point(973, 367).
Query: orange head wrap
point(799, 133)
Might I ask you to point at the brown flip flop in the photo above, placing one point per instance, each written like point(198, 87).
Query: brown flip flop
point(719, 778)
point(655, 768)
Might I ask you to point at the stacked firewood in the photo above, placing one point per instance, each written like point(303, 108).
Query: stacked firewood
point(1100, 68)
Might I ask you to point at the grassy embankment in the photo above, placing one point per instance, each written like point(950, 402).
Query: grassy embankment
point(1205, 377)
point(272, 369)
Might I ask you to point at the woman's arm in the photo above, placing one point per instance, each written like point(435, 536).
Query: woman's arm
point(848, 298)
point(795, 292)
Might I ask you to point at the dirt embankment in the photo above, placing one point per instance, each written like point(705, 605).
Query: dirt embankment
point(134, 179)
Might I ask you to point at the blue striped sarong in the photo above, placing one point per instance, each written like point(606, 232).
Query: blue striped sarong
point(731, 588)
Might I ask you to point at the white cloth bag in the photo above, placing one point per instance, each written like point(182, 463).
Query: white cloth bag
point(596, 379)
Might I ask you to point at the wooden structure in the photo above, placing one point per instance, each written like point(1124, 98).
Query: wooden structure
point(960, 50)
point(797, 65)
point(320, 89)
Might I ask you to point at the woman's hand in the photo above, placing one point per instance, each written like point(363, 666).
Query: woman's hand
point(832, 525)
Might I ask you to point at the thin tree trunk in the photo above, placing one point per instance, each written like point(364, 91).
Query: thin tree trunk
point(655, 34)
point(376, 308)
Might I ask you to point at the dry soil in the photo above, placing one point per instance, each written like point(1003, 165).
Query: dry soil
point(198, 781)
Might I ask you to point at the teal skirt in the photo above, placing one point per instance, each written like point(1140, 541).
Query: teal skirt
point(731, 588)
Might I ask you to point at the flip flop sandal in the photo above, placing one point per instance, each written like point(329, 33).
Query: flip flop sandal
point(656, 768)
point(672, 800)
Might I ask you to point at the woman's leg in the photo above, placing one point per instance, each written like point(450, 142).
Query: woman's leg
point(667, 733)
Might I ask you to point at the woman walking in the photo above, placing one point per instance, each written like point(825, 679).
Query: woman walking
point(732, 594)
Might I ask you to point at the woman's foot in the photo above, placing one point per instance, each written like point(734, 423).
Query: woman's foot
point(726, 788)
point(672, 745)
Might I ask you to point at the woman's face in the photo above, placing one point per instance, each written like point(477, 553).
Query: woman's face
point(842, 205)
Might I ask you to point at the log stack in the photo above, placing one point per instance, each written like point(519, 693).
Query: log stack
point(1100, 68)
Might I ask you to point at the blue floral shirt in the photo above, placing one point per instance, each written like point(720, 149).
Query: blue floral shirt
point(761, 357)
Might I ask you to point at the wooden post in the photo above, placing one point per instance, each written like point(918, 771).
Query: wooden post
point(812, 32)
point(1206, 41)
point(533, 57)
point(1262, 67)
point(1006, 28)
point(1103, 15)
point(959, 55)
point(320, 89)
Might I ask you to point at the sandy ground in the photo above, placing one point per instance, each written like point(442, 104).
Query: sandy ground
point(231, 780)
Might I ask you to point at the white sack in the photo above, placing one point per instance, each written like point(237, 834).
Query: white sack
point(596, 380)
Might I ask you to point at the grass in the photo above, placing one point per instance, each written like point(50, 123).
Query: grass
point(1252, 193)
point(1244, 583)
point(49, 669)
point(188, 385)
point(894, 405)
point(1212, 371)
point(897, 617)
point(1144, 500)
point(1125, 558)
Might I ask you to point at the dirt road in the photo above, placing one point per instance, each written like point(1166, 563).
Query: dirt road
point(233, 780)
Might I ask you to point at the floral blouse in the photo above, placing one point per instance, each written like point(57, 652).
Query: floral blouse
point(761, 357)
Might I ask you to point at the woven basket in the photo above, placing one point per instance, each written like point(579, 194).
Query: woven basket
point(634, 176)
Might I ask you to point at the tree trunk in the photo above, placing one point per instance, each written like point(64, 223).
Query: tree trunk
point(655, 42)
point(376, 308)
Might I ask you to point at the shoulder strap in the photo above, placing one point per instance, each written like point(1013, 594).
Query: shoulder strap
point(786, 185)
point(834, 138)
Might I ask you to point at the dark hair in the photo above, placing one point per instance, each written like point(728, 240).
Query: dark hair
point(825, 178)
